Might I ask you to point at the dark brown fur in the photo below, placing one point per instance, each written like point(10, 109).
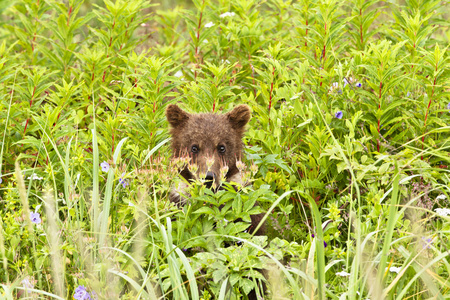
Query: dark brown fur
point(208, 133)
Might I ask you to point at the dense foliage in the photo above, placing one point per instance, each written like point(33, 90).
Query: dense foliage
point(347, 149)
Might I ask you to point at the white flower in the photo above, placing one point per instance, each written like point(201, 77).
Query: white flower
point(343, 274)
point(225, 61)
point(34, 176)
point(227, 14)
point(441, 197)
point(205, 41)
point(394, 269)
point(443, 212)
point(210, 24)
point(178, 74)
point(114, 82)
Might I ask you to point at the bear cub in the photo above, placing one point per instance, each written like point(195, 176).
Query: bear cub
point(213, 142)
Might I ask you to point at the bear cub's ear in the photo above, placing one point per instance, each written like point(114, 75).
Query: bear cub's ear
point(239, 116)
point(176, 116)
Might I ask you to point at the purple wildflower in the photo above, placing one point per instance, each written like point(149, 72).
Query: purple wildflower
point(27, 283)
point(426, 243)
point(359, 84)
point(448, 107)
point(335, 86)
point(81, 293)
point(35, 218)
point(122, 181)
point(408, 94)
point(1, 180)
point(339, 114)
point(345, 82)
point(105, 166)
point(348, 81)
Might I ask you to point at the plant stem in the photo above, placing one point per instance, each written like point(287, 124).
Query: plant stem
point(379, 107)
point(198, 39)
point(271, 90)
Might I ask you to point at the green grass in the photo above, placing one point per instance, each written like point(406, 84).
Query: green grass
point(349, 135)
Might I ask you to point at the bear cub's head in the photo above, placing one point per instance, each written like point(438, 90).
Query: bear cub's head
point(212, 142)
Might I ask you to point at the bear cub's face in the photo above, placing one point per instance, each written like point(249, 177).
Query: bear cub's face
point(213, 142)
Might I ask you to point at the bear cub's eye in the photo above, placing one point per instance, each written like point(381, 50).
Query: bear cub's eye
point(221, 148)
point(194, 149)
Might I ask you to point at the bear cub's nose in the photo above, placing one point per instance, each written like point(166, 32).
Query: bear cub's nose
point(209, 179)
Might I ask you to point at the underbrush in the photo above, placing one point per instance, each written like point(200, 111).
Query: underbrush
point(347, 151)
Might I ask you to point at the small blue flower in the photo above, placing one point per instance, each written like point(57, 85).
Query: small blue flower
point(408, 94)
point(122, 181)
point(426, 243)
point(448, 107)
point(105, 166)
point(1, 180)
point(35, 218)
point(359, 84)
point(339, 114)
point(81, 293)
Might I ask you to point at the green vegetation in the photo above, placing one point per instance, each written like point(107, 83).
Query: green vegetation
point(348, 145)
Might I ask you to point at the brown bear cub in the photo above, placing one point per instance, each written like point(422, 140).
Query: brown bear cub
point(213, 143)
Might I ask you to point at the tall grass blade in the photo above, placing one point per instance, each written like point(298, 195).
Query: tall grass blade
point(174, 268)
point(223, 289)
point(44, 293)
point(95, 183)
point(319, 245)
point(104, 216)
point(392, 219)
point(154, 149)
point(151, 291)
